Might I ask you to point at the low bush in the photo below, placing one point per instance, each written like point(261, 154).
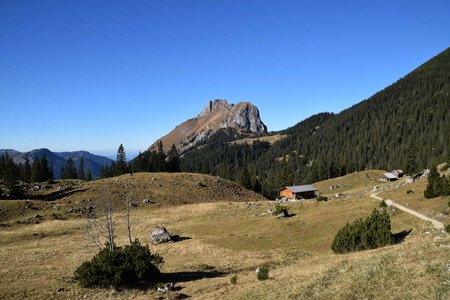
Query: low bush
point(262, 273)
point(233, 279)
point(130, 266)
point(409, 191)
point(447, 228)
point(383, 204)
point(370, 233)
point(321, 198)
point(279, 209)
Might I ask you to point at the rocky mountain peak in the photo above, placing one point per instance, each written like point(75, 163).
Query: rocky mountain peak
point(214, 105)
point(217, 114)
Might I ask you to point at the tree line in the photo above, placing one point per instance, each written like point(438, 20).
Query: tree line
point(437, 185)
point(405, 126)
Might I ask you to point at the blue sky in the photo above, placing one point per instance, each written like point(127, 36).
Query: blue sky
point(93, 74)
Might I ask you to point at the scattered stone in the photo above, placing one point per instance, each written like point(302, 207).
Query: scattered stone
point(283, 214)
point(282, 200)
point(81, 210)
point(160, 235)
point(250, 205)
point(148, 201)
point(167, 287)
point(340, 195)
point(200, 184)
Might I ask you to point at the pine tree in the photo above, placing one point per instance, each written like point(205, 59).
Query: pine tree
point(36, 171)
point(121, 161)
point(432, 188)
point(69, 171)
point(411, 167)
point(81, 170)
point(244, 179)
point(89, 175)
point(26, 170)
point(45, 172)
point(173, 160)
point(158, 159)
point(10, 176)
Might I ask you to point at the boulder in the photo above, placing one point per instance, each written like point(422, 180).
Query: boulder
point(283, 214)
point(160, 235)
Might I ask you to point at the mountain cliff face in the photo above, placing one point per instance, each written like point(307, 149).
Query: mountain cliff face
point(243, 117)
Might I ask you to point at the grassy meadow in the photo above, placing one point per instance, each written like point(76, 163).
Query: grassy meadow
point(221, 239)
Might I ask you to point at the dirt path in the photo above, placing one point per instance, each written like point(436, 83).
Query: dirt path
point(436, 224)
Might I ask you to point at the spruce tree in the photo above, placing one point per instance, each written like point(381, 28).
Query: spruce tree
point(36, 171)
point(244, 179)
point(89, 175)
point(10, 176)
point(81, 170)
point(69, 171)
point(173, 159)
point(432, 188)
point(26, 170)
point(121, 161)
point(45, 172)
point(411, 167)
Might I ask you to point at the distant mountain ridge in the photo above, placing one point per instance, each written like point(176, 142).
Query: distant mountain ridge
point(242, 117)
point(58, 159)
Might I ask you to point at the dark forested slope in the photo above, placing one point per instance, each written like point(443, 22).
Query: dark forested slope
point(376, 133)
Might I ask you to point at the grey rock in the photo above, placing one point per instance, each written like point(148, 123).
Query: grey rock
point(160, 235)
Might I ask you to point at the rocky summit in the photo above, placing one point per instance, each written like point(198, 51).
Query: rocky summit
point(218, 114)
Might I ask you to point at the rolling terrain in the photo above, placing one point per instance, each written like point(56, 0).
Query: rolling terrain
point(224, 233)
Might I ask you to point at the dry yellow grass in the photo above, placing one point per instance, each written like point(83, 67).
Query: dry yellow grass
point(225, 239)
point(436, 208)
point(270, 139)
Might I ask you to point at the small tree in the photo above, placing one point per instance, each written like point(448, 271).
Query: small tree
point(129, 266)
point(81, 170)
point(262, 273)
point(101, 231)
point(244, 179)
point(69, 171)
point(121, 161)
point(432, 189)
point(89, 175)
point(371, 233)
point(411, 167)
point(173, 159)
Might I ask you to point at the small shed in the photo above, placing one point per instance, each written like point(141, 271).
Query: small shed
point(398, 173)
point(387, 177)
point(299, 192)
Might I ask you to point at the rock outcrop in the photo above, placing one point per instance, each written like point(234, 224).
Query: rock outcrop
point(218, 114)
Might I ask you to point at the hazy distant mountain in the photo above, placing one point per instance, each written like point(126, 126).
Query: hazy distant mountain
point(58, 159)
point(242, 117)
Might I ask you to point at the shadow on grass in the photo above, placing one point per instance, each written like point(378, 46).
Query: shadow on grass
point(400, 236)
point(55, 195)
point(191, 275)
point(177, 238)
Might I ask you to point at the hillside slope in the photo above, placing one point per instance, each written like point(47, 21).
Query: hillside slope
point(219, 239)
point(375, 133)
